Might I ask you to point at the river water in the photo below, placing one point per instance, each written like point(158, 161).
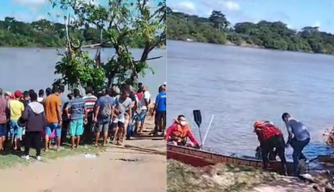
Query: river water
point(240, 85)
point(32, 68)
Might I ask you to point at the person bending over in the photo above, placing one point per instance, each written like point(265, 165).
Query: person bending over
point(270, 137)
point(179, 131)
point(299, 137)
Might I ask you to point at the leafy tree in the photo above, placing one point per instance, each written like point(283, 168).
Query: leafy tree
point(219, 20)
point(120, 22)
point(265, 34)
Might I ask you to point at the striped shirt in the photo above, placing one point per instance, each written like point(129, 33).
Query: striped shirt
point(90, 101)
point(77, 108)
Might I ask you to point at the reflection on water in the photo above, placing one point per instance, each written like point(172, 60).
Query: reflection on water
point(241, 85)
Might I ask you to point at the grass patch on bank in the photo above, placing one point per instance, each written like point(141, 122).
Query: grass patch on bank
point(218, 178)
point(13, 158)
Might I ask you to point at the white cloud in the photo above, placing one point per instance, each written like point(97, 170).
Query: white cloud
point(232, 6)
point(317, 24)
point(30, 2)
point(185, 6)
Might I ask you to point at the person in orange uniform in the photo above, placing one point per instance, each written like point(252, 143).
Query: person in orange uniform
point(270, 137)
point(179, 131)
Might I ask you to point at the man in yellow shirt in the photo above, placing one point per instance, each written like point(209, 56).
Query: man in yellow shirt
point(16, 109)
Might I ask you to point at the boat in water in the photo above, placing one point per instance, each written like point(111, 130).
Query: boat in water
point(201, 158)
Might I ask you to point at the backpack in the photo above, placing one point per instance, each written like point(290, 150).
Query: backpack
point(106, 111)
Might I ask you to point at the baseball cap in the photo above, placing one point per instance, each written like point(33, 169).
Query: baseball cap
point(18, 93)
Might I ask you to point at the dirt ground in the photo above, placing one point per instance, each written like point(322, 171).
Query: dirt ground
point(114, 170)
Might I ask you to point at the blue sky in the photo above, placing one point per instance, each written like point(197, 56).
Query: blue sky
point(295, 13)
point(32, 10)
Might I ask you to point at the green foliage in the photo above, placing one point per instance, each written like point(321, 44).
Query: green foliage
point(44, 33)
point(120, 23)
point(78, 69)
point(271, 35)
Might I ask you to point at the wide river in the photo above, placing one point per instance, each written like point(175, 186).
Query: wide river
point(240, 85)
point(33, 68)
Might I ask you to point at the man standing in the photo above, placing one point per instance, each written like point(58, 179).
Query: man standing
point(90, 101)
point(34, 117)
point(40, 96)
point(144, 106)
point(77, 112)
point(3, 120)
point(64, 100)
point(299, 137)
point(16, 109)
point(53, 114)
point(123, 106)
point(160, 111)
point(104, 112)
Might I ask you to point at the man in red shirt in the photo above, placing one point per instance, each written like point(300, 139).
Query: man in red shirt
point(270, 138)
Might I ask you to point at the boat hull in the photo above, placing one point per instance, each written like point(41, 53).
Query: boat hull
point(200, 158)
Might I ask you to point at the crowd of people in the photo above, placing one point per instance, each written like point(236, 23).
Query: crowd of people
point(270, 137)
point(29, 118)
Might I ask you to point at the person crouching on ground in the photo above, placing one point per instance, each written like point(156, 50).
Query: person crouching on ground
point(77, 113)
point(299, 137)
point(34, 120)
point(270, 137)
point(179, 131)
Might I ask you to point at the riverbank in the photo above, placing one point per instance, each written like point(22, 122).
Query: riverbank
point(229, 178)
point(111, 170)
point(246, 45)
point(12, 159)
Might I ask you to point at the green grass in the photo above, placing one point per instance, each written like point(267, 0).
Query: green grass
point(218, 178)
point(12, 158)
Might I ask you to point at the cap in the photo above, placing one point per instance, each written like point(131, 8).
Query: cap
point(12, 95)
point(8, 93)
point(257, 124)
point(165, 83)
point(18, 93)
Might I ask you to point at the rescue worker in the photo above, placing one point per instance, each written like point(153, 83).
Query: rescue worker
point(179, 131)
point(270, 137)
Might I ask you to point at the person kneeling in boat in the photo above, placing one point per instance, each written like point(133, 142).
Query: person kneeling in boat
point(179, 131)
point(270, 137)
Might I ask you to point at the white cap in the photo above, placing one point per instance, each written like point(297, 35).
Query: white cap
point(165, 83)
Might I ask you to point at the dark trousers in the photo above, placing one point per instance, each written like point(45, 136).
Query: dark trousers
point(267, 147)
point(160, 117)
point(33, 139)
point(297, 154)
point(64, 131)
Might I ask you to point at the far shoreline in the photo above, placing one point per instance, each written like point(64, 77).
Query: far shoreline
point(243, 45)
point(32, 47)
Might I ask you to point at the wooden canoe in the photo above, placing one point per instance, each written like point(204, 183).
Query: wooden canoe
point(201, 158)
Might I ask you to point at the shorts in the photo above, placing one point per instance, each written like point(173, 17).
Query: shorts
point(3, 130)
point(142, 115)
point(76, 127)
point(15, 130)
point(119, 124)
point(102, 127)
point(53, 126)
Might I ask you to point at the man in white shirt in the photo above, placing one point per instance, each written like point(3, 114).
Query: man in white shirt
point(144, 106)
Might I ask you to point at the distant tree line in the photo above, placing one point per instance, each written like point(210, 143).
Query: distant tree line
point(44, 33)
point(272, 35)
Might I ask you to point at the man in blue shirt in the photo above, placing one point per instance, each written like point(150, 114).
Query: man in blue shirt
point(76, 113)
point(104, 111)
point(299, 137)
point(160, 111)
